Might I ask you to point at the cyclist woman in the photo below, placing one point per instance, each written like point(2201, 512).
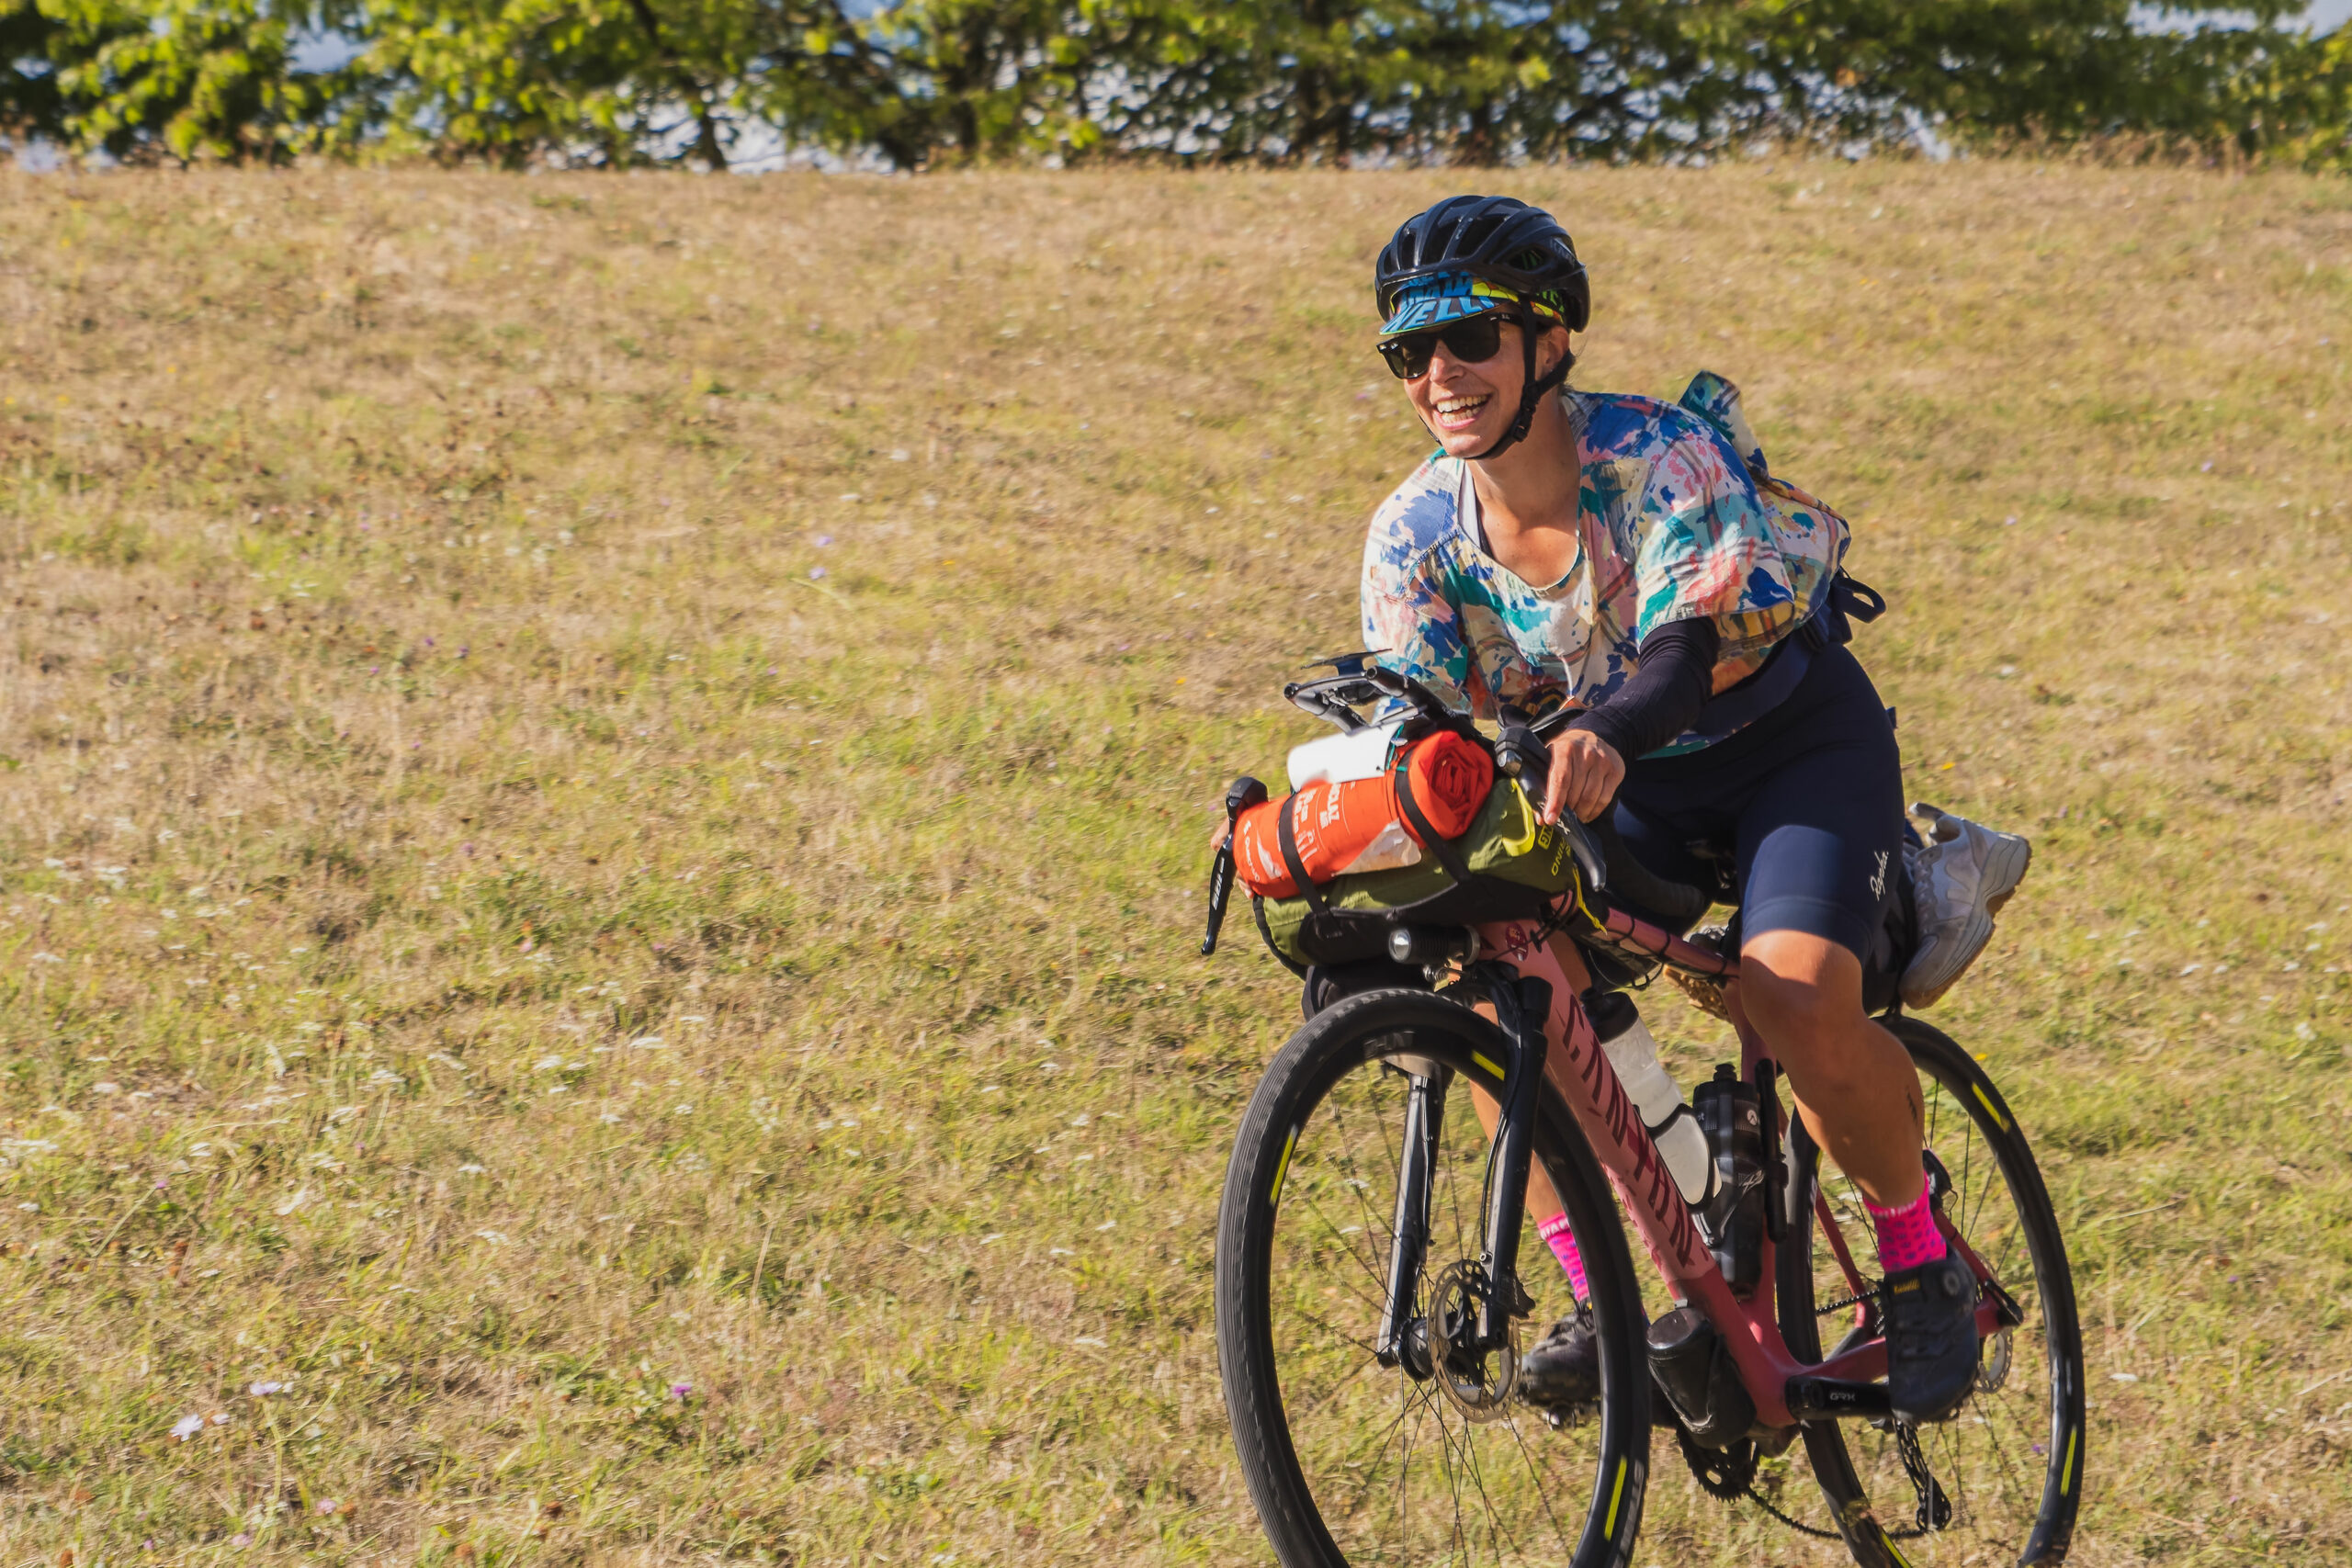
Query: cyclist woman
point(1614, 554)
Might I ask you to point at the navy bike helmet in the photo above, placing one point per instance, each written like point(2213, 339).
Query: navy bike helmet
point(1431, 268)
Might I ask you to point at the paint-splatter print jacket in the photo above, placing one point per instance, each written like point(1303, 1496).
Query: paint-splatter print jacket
point(1679, 517)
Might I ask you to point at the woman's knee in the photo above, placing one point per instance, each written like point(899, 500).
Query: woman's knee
point(1797, 989)
point(1788, 1010)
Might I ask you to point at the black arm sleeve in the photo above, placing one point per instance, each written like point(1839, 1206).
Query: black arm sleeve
point(1670, 685)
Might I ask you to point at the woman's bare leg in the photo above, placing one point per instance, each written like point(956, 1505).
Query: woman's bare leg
point(1854, 1082)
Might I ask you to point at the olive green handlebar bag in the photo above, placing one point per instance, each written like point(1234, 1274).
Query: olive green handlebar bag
point(1506, 865)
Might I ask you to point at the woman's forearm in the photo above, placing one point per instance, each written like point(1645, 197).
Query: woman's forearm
point(1663, 696)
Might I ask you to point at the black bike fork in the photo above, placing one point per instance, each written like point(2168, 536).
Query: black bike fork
point(1410, 1233)
point(1522, 1004)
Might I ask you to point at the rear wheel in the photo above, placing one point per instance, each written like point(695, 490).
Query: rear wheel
point(1354, 1461)
point(2001, 1482)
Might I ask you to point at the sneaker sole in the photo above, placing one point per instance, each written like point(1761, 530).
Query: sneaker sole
point(2012, 857)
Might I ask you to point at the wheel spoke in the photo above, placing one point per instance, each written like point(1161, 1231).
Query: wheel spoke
point(1981, 1460)
point(1396, 1471)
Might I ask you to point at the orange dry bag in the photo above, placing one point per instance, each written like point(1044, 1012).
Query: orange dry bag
point(1359, 825)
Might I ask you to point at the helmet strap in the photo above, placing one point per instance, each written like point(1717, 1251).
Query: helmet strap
point(1530, 392)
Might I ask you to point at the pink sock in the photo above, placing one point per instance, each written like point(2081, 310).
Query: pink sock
point(1556, 1234)
point(1906, 1236)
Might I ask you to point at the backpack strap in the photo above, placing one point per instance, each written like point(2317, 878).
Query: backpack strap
point(1447, 855)
point(1844, 599)
point(1286, 836)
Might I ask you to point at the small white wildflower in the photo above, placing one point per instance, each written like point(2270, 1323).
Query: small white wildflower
point(106, 1088)
point(187, 1427)
point(263, 1390)
point(547, 1064)
point(1061, 1252)
point(469, 1170)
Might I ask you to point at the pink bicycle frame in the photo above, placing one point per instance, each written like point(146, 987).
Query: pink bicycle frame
point(1581, 1071)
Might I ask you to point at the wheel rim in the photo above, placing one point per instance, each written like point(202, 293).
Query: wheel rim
point(1399, 1470)
point(1998, 1467)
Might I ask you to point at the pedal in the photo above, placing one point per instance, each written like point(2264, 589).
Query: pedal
point(1835, 1399)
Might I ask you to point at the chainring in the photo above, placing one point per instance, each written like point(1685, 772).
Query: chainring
point(1725, 1473)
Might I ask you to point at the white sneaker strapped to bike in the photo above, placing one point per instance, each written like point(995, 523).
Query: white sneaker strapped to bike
point(1959, 883)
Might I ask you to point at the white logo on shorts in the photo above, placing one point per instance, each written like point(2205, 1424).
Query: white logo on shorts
point(1878, 879)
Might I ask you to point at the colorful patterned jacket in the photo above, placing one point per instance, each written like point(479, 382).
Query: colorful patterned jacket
point(1679, 517)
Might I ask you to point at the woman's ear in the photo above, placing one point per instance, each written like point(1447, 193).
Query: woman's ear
point(1552, 349)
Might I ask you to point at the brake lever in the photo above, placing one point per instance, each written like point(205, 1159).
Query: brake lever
point(1586, 849)
point(1240, 797)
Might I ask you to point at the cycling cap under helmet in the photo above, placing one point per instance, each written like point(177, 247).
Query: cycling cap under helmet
point(1470, 255)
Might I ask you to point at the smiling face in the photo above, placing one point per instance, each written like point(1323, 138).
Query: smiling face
point(1467, 406)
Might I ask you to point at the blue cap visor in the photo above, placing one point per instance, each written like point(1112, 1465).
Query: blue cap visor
point(1448, 297)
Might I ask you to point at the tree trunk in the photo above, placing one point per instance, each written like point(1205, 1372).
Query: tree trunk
point(706, 143)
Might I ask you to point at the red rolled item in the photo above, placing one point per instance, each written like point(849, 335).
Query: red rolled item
point(1335, 823)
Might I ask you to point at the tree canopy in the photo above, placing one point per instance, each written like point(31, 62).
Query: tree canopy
point(914, 83)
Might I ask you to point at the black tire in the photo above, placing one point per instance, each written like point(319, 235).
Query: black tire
point(2010, 1462)
point(1334, 1478)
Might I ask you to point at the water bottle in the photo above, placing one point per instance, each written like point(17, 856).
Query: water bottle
point(1730, 1115)
point(1337, 759)
point(1627, 1040)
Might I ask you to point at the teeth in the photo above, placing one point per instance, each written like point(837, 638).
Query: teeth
point(1457, 405)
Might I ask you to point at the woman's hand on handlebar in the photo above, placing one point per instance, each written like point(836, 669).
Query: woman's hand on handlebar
point(1586, 772)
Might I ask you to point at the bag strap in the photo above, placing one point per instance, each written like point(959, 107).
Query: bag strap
point(1447, 855)
point(1286, 836)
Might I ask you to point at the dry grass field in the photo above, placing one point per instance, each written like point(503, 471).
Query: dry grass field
point(600, 839)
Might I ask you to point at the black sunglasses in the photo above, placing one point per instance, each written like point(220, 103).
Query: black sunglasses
point(1473, 342)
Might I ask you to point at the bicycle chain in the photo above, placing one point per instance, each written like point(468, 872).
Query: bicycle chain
point(1799, 1526)
point(1730, 1475)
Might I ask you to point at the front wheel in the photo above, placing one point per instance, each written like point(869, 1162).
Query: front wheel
point(2001, 1482)
point(1351, 1457)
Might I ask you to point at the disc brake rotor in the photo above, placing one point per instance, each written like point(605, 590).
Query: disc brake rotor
point(1993, 1366)
point(1478, 1386)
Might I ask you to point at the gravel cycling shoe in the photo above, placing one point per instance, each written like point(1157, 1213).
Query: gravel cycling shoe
point(1959, 882)
point(1930, 1339)
point(1562, 1370)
